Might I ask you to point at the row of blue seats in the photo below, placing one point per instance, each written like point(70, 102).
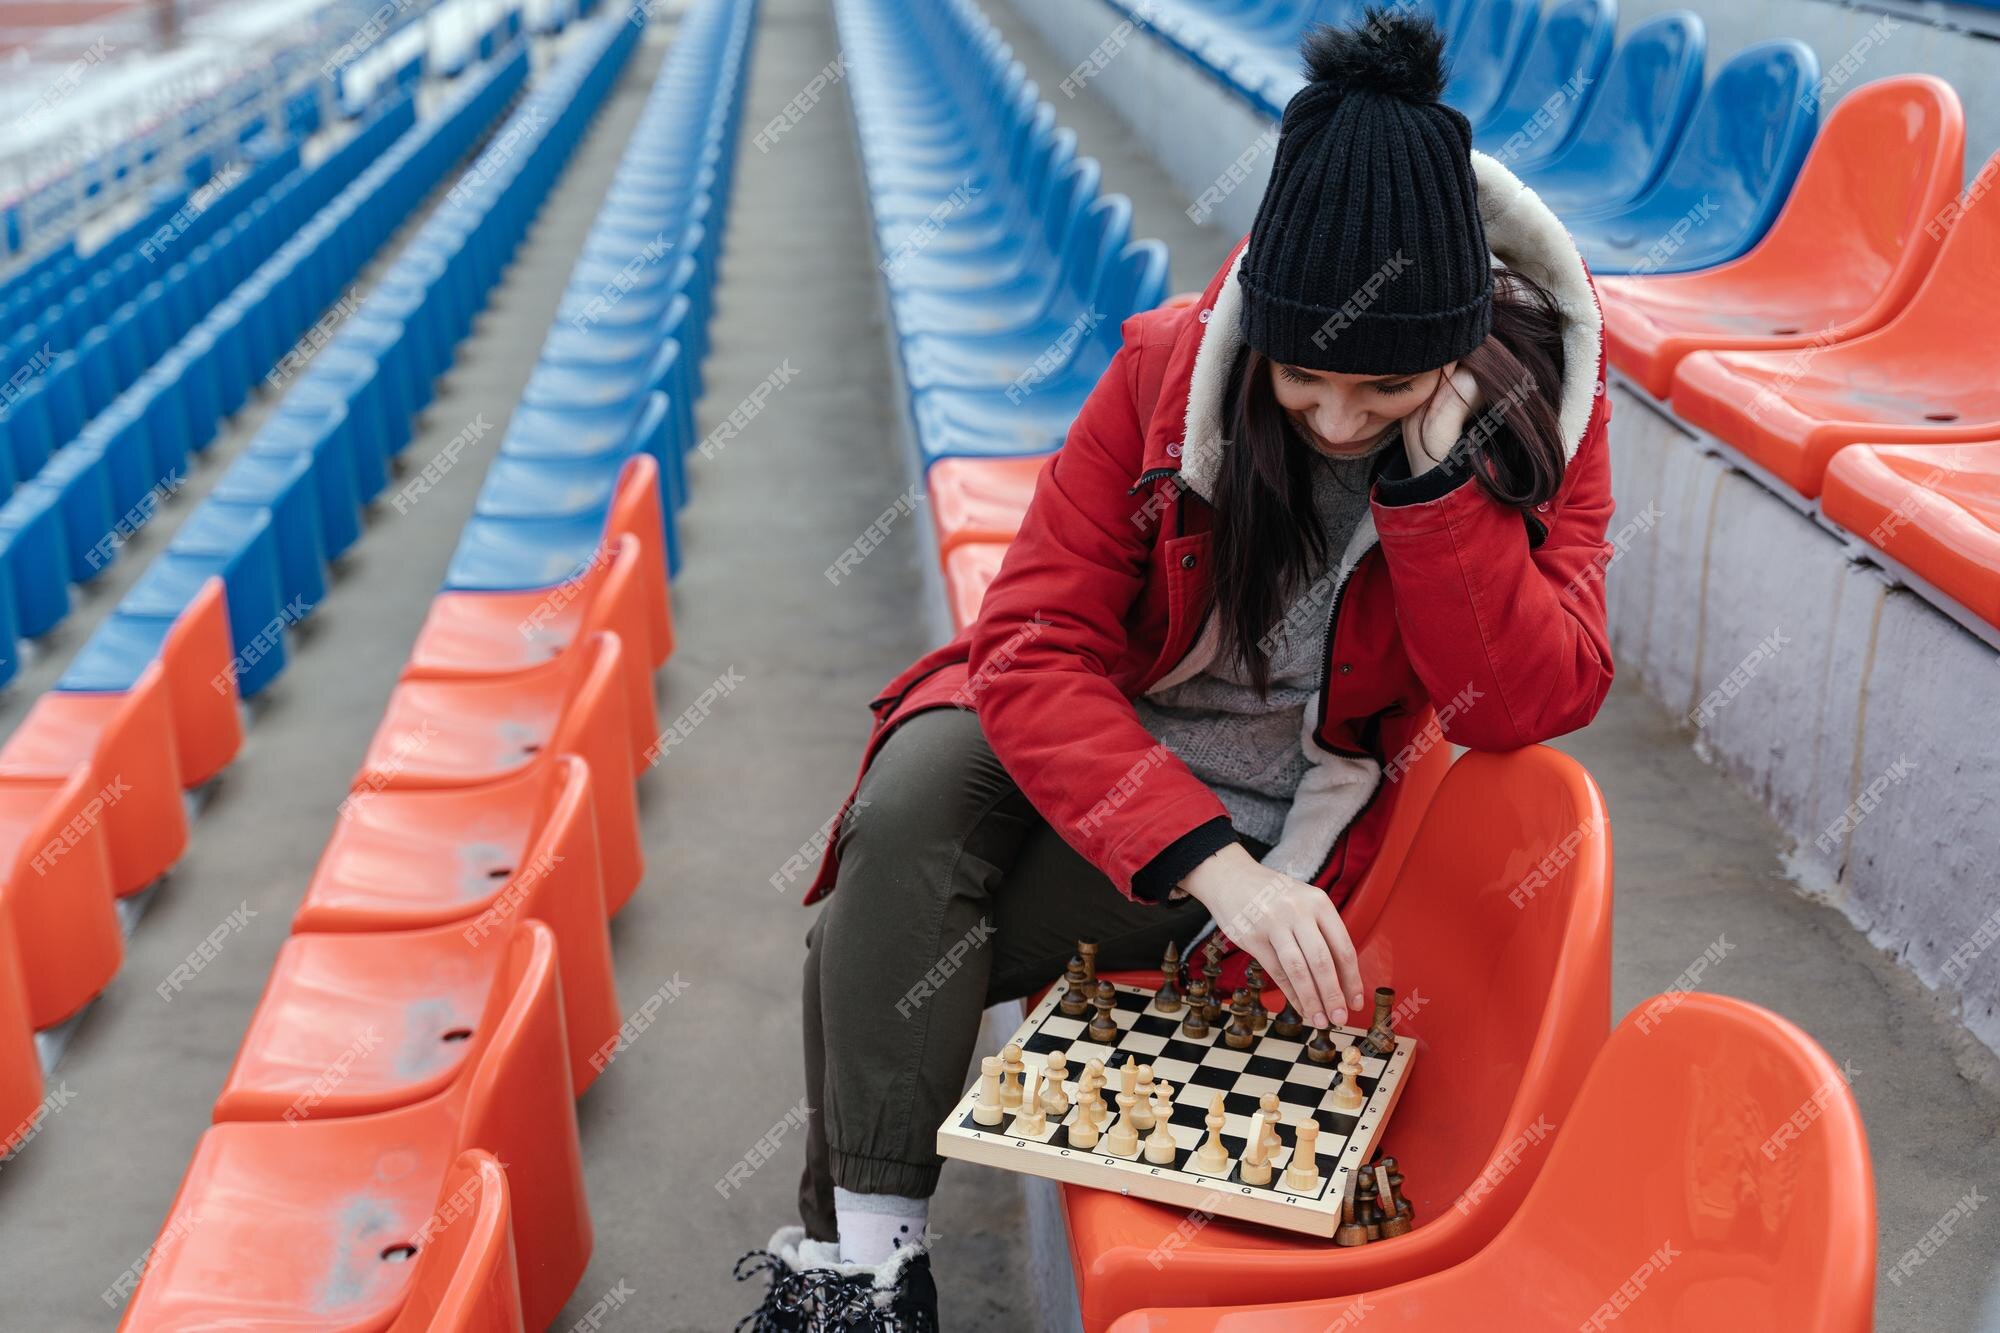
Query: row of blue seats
point(620, 371)
point(219, 120)
point(77, 292)
point(1008, 273)
point(98, 335)
point(295, 498)
point(71, 385)
point(1651, 171)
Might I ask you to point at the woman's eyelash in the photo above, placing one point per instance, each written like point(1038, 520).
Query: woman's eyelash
point(1296, 376)
point(1403, 387)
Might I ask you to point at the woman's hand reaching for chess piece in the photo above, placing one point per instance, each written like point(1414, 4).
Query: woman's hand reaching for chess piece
point(1287, 925)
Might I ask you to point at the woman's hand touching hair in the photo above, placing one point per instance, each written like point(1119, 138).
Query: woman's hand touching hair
point(1287, 925)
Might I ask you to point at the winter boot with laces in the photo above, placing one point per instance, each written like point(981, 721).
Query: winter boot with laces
point(813, 1292)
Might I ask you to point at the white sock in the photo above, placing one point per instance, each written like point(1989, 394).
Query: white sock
point(874, 1226)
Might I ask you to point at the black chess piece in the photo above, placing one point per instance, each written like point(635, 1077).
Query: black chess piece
point(1241, 1034)
point(1196, 1023)
point(1366, 1211)
point(1381, 1039)
point(1075, 1002)
point(1087, 950)
point(1321, 1050)
point(1288, 1024)
point(1103, 1027)
point(1255, 978)
point(1398, 1216)
point(1352, 1231)
point(1211, 968)
point(1168, 999)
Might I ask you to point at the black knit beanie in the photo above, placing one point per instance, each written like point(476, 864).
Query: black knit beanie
point(1367, 256)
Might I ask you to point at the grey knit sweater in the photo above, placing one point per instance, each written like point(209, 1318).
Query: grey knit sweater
point(1248, 747)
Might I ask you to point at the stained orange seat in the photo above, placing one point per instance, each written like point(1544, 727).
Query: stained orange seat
point(1925, 377)
point(57, 891)
point(1712, 1174)
point(441, 734)
point(1934, 509)
point(311, 1225)
point(127, 741)
point(400, 925)
point(197, 653)
point(969, 569)
point(1497, 938)
point(467, 1279)
point(980, 499)
point(1854, 239)
point(473, 634)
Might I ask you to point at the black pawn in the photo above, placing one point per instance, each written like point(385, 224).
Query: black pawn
point(1075, 1000)
point(1196, 1022)
point(1103, 1028)
point(1320, 1050)
point(1288, 1024)
point(1241, 1034)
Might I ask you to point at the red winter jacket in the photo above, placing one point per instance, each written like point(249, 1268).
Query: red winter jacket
point(1447, 601)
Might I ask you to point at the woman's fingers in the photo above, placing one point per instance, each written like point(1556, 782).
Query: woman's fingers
point(1346, 962)
point(1326, 1001)
point(1298, 980)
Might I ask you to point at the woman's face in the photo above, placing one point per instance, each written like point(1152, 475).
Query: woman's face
point(1346, 416)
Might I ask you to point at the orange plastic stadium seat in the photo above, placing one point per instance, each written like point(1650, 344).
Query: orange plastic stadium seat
point(197, 653)
point(470, 634)
point(980, 499)
point(969, 568)
point(1497, 938)
point(467, 1279)
point(57, 894)
point(1925, 377)
point(20, 1062)
point(441, 734)
point(394, 872)
point(311, 1224)
point(126, 739)
point(1934, 509)
point(635, 510)
point(1712, 1174)
point(1850, 246)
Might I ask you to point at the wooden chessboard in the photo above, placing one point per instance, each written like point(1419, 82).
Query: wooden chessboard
point(1197, 1070)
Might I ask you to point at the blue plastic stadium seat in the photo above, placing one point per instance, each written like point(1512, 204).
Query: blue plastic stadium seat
point(34, 548)
point(1728, 177)
point(236, 546)
point(1485, 50)
point(282, 486)
point(76, 478)
point(1560, 73)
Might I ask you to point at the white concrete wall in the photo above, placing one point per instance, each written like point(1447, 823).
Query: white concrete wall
point(1861, 717)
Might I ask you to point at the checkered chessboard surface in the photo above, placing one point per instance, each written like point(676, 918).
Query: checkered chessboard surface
point(1197, 1069)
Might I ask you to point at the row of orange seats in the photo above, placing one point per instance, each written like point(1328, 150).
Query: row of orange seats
point(1846, 359)
point(401, 1112)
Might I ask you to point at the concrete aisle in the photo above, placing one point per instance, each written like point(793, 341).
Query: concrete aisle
point(86, 1197)
point(678, 1132)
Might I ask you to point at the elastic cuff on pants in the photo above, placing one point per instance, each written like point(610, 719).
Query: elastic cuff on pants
point(878, 1175)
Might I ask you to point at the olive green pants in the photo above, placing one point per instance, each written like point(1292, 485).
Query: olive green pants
point(953, 895)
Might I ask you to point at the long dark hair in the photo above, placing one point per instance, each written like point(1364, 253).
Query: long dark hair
point(1266, 533)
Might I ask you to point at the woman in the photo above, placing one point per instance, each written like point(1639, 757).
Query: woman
point(1364, 475)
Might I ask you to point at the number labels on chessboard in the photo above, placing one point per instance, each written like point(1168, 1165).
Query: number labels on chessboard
point(1085, 1134)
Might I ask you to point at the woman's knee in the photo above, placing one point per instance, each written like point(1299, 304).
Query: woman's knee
point(930, 786)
